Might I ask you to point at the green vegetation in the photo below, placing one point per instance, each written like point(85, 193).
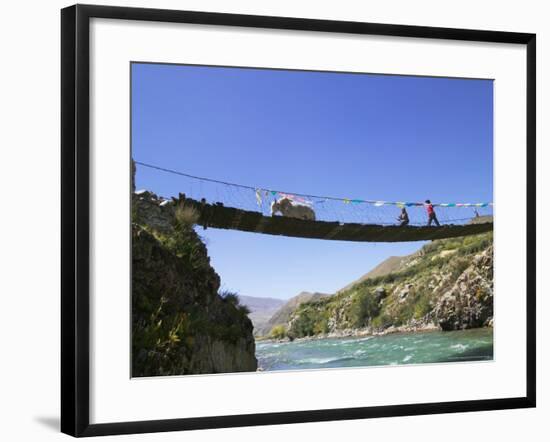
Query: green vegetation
point(278, 332)
point(233, 299)
point(184, 241)
point(177, 310)
point(405, 295)
point(363, 307)
point(160, 342)
point(309, 319)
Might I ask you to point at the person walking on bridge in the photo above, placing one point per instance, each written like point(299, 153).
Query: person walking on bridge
point(403, 218)
point(431, 213)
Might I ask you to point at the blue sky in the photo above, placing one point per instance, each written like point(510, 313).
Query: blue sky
point(380, 137)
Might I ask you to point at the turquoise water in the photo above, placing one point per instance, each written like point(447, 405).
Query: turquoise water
point(393, 349)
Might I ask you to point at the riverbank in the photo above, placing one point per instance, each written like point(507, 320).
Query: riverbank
point(359, 333)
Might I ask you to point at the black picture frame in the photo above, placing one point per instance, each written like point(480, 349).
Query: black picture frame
point(75, 211)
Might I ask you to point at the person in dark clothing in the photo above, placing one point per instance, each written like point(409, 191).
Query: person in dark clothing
point(403, 218)
point(431, 213)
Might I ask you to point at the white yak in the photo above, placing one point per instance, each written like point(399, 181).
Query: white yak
point(287, 207)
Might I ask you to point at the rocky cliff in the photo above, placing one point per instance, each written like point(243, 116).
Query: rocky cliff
point(181, 324)
point(447, 285)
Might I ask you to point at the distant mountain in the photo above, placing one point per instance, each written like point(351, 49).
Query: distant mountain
point(261, 309)
point(282, 315)
point(392, 264)
point(257, 304)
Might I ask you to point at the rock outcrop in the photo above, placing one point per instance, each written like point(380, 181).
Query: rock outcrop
point(180, 322)
point(447, 285)
point(469, 303)
point(156, 213)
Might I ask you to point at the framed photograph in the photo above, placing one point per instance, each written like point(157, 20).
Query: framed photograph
point(272, 220)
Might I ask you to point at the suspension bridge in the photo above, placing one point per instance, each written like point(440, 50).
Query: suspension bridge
point(226, 205)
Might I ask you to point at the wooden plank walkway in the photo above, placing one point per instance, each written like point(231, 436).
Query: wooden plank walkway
point(221, 217)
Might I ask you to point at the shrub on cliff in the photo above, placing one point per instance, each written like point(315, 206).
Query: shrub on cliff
point(186, 216)
point(233, 299)
point(278, 332)
point(363, 308)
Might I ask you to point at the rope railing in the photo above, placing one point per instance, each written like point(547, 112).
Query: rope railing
point(326, 208)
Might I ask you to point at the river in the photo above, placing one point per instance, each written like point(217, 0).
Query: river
point(391, 349)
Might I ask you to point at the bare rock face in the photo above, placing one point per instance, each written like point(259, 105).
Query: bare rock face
point(403, 294)
point(380, 294)
point(150, 210)
point(469, 303)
